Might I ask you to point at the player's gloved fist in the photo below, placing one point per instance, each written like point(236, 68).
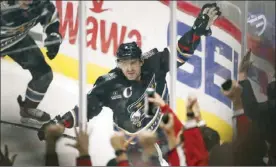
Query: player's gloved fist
point(208, 14)
point(52, 43)
point(68, 120)
point(41, 131)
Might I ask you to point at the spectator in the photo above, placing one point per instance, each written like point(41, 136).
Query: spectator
point(176, 154)
point(262, 113)
point(120, 146)
point(4, 158)
point(147, 141)
point(53, 132)
point(248, 149)
point(254, 120)
point(112, 162)
point(221, 155)
point(232, 90)
point(210, 136)
point(194, 147)
point(82, 145)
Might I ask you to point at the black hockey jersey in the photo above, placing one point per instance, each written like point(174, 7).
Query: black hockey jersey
point(126, 98)
point(16, 22)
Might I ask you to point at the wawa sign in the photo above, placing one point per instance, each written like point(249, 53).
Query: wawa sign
point(102, 34)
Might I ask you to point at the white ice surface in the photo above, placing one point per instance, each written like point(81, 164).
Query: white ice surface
point(62, 96)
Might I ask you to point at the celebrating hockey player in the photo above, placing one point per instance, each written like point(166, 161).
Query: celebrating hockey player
point(17, 18)
point(123, 89)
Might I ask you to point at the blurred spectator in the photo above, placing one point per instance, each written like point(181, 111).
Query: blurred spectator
point(232, 90)
point(221, 155)
point(120, 145)
point(250, 148)
point(4, 158)
point(147, 141)
point(261, 113)
point(176, 155)
point(112, 162)
point(210, 136)
point(82, 145)
point(53, 133)
point(195, 150)
point(256, 129)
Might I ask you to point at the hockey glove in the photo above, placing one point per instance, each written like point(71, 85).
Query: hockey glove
point(209, 13)
point(52, 43)
point(41, 131)
point(68, 120)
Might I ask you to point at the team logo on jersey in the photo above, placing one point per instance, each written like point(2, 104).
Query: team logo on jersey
point(136, 117)
point(136, 109)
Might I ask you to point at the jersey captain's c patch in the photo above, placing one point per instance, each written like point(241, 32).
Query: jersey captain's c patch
point(127, 92)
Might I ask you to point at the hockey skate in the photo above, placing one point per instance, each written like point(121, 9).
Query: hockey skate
point(31, 115)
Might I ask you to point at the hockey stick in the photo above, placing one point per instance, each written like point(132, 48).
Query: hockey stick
point(33, 128)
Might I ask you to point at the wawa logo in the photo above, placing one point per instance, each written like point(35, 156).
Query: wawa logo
point(103, 34)
point(98, 6)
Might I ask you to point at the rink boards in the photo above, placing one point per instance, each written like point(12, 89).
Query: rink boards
point(147, 22)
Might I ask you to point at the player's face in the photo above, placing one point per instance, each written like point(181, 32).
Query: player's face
point(131, 68)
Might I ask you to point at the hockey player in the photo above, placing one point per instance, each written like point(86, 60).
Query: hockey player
point(123, 88)
point(17, 18)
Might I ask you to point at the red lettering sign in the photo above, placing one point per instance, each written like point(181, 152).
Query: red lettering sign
point(110, 38)
point(98, 6)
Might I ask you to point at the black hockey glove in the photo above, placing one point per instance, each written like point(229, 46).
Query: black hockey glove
point(68, 120)
point(52, 43)
point(205, 19)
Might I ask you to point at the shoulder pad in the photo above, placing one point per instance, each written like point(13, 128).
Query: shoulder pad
point(112, 74)
point(104, 79)
point(109, 76)
point(150, 53)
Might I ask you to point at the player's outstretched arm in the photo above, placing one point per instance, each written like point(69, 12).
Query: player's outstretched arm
point(95, 102)
point(188, 43)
